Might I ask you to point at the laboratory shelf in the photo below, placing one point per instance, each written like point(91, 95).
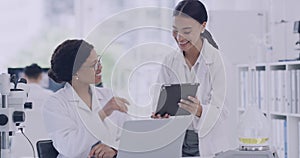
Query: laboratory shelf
point(275, 87)
point(294, 115)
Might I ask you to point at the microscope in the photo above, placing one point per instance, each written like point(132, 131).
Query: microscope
point(13, 103)
point(297, 30)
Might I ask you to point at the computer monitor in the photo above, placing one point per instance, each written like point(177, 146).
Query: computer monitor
point(46, 81)
point(143, 138)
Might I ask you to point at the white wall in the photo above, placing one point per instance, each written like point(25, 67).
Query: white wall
point(20, 20)
point(276, 34)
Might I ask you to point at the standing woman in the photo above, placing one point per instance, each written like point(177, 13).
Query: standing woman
point(78, 116)
point(198, 61)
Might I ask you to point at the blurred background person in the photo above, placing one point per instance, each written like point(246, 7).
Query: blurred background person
point(37, 94)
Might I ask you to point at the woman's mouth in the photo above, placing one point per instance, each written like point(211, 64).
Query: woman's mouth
point(98, 74)
point(183, 44)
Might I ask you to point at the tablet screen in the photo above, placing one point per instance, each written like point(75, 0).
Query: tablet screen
point(170, 95)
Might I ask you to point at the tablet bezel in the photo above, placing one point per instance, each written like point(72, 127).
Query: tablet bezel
point(170, 95)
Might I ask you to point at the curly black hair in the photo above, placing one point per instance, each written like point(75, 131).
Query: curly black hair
point(67, 58)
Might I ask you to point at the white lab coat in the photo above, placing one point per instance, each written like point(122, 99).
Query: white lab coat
point(74, 128)
point(34, 127)
point(209, 71)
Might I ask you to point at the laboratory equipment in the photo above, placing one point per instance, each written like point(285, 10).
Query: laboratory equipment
point(297, 30)
point(13, 102)
point(253, 131)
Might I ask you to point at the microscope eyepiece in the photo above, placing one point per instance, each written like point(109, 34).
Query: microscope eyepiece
point(28, 105)
point(22, 80)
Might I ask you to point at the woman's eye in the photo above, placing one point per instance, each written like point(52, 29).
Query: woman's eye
point(186, 33)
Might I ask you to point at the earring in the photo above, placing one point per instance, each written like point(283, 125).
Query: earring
point(76, 76)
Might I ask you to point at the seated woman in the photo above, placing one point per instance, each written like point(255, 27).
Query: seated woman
point(80, 115)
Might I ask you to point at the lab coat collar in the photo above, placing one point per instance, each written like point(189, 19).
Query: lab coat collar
point(34, 84)
point(73, 97)
point(208, 52)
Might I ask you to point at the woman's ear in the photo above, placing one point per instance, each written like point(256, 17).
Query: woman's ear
point(75, 76)
point(204, 24)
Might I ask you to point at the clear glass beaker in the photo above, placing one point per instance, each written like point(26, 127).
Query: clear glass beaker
point(253, 130)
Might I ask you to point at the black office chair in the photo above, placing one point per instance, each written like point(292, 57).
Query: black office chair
point(46, 149)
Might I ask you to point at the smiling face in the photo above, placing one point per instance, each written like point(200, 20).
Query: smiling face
point(186, 32)
point(90, 71)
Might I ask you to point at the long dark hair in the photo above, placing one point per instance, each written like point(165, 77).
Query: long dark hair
point(67, 59)
point(196, 10)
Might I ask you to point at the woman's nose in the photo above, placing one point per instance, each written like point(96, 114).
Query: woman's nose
point(99, 68)
point(179, 37)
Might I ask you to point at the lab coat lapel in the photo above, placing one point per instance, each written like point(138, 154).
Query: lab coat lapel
point(74, 98)
point(207, 52)
point(180, 76)
point(90, 118)
point(96, 98)
point(204, 68)
point(98, 128)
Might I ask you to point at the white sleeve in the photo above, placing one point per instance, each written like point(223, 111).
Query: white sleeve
point(67, 138)
point(117, 119)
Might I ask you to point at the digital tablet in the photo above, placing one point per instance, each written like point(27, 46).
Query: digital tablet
point(170, 95)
